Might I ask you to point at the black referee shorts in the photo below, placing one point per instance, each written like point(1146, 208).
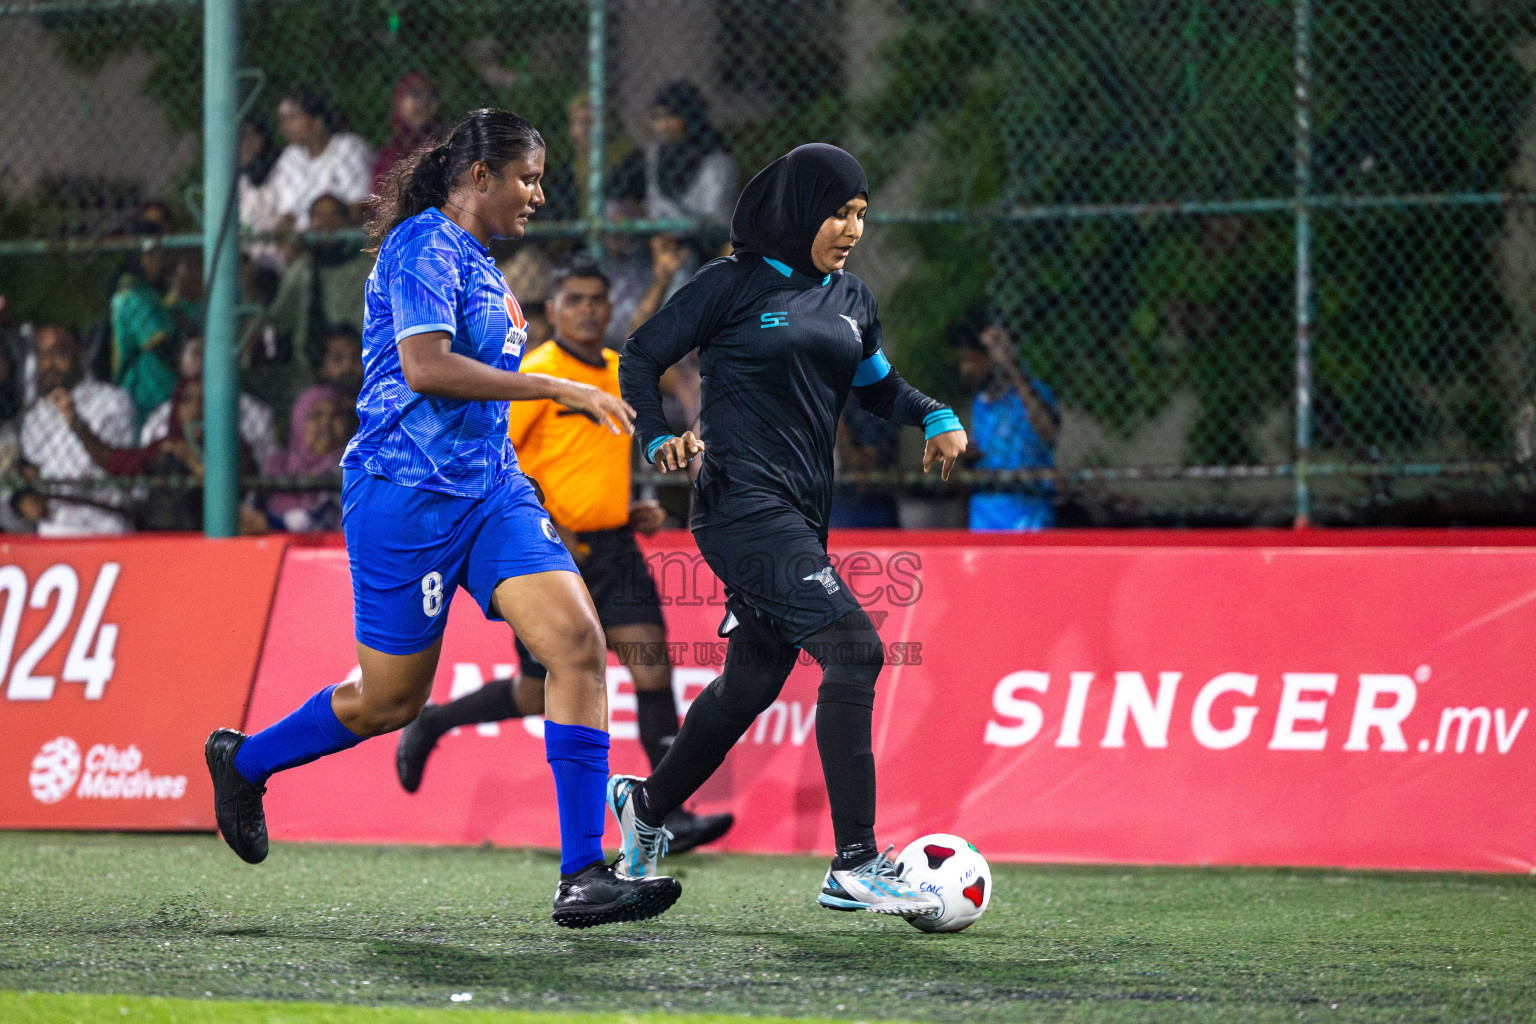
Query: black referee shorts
point(619, 580)
point(620, 584)
point(775, 568)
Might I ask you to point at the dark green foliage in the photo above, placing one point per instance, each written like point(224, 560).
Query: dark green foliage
point(1177, 100)
point(355, 50)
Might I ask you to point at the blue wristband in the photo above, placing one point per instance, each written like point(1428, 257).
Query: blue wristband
point(650, 449)
point(940, 421)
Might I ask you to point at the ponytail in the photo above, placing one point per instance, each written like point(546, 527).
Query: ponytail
point(415, 183)
point(424, 179)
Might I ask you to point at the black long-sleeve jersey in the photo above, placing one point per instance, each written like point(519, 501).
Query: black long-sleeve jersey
point(779, 352)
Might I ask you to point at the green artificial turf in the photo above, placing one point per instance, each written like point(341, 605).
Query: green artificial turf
point(403, 926)
point(48, 1008)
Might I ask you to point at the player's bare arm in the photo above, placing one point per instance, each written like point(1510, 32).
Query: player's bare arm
point(431, 367)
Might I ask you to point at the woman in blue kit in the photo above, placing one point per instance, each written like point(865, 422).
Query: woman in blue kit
point(783, 334)
point(433, 500)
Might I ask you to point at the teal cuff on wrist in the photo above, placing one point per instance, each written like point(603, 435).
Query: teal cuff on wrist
point(940, 421)
point(650, 449)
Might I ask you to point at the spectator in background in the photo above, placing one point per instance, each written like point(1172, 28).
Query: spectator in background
point(179, 454)
point(323, 422)
point(69, 433)
point(10, 408)
point(566, 183)
point(689, 170)
point(864, 443)
point(20, 507)
point(413, 123)
point(529, 271)
point(627, 262)
point(255, 417)
point(322, 287)
point(341, 362)
point(258, 202)
point(320, 158)
point(144, 318)
point(672, 263)
point(645, 272)
point(1014, 422)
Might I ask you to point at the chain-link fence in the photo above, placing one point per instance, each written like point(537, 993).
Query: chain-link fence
point(1252, 260)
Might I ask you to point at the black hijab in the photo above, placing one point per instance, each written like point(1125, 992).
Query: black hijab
point(781, 209)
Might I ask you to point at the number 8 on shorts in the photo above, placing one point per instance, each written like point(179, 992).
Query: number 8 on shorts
point(432, 594)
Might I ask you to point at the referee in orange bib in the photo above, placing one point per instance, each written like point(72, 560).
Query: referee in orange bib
point(584, 471)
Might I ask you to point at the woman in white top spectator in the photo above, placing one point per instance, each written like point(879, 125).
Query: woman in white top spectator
point(320, 158)
point(689, 171)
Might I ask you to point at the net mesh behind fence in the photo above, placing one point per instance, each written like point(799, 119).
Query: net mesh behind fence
point(1155, 200)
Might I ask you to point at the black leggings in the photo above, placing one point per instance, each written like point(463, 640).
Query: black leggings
point(756, 666)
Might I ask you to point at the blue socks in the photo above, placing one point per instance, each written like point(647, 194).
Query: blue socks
point(307, 734)
point(578, 756)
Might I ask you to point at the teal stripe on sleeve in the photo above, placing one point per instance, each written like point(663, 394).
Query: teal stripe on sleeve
point(940, 421)
point(650, 449)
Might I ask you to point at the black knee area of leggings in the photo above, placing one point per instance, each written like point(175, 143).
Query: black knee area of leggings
point(858, 691)
point(851, 657)
point(756, 666)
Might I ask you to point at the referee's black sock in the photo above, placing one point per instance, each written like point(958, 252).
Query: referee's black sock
point(491, 703)
point(756, 666)
point(656, 711)
point(709, 732)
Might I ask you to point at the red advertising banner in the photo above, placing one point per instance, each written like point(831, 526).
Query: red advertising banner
point(1055, 699)
point(117, 658)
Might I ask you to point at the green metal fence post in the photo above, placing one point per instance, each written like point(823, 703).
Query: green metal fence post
point(597, 88)
point(1303, 172)
point(221, 267)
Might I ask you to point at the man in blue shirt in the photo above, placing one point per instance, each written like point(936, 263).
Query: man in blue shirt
point(1014, 423)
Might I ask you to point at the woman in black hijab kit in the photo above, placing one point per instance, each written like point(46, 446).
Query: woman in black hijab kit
point(783, 334)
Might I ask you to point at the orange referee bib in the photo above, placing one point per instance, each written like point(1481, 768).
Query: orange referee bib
point(583, 467)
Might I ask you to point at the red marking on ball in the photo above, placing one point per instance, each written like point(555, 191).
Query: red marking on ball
point(976, 891)
point(937, 855)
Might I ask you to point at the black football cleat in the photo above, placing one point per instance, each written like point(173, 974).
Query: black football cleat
point(690, 830)
point(236, 800)
point(598, 895)
point(416, 745)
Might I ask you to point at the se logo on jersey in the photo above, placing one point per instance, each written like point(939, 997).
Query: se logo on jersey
point(858, 335)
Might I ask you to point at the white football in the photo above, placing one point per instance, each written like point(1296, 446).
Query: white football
point(956, 872)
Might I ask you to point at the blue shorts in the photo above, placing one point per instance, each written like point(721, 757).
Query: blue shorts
point(411, 548)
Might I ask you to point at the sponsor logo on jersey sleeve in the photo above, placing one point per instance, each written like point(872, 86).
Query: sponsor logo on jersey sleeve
point(517, 334)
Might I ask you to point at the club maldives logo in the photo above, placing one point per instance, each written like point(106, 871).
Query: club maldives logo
point(55, 770)
point(105, 772)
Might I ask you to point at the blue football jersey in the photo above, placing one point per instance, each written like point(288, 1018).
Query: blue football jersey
point(432, 275)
